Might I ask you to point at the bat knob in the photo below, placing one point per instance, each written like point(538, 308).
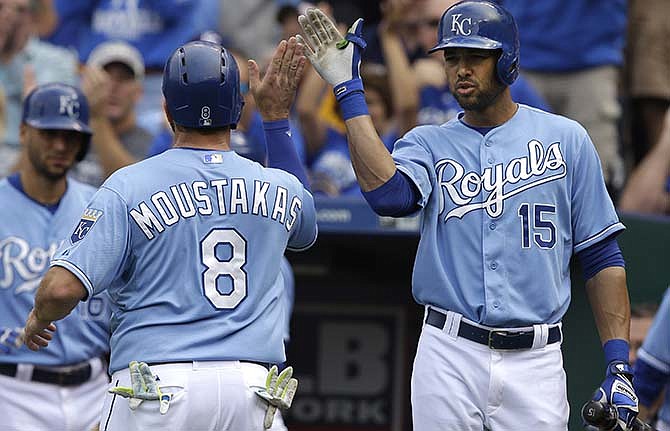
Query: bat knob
point(601, 415)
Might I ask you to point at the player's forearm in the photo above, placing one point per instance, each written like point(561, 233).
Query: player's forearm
point(58, 294)
point(371, 160)
point(608, 296)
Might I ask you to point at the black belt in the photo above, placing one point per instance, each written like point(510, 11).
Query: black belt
point(73, 377)
point(495, 339)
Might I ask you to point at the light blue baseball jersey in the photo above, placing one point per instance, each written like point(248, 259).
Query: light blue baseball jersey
point(29, 236)
point(503, 213)
point(188, 244)
point(289, 295)
point(655, 349)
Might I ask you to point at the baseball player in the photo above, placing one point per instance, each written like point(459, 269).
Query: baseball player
point(62, 388)
point(652, 367)
point(188, 245)
point(507, 194)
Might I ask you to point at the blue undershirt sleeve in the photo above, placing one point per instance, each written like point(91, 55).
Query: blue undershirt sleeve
point(397, 197)
point(281, 151)
point(599, 256)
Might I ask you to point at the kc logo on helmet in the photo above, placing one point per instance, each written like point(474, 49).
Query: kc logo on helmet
point(69, 105)
point(457, 25)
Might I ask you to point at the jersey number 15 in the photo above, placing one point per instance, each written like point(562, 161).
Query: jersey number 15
point(543, 229)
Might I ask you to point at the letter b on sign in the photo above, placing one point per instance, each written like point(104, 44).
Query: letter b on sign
point(353, 358)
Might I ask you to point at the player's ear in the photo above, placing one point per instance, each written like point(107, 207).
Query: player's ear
point(168, 116)
point(23, 134)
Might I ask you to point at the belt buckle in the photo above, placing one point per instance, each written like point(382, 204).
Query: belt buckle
point(496, 332)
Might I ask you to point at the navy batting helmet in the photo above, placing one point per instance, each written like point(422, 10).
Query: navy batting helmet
point(58, 107)
point(484, 25)
point(201, 85)
point(251, 149)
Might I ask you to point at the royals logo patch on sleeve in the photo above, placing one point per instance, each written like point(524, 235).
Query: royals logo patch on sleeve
point(85, 224)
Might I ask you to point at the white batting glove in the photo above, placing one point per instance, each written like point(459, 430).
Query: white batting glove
point(337, 59)
point(143, 388)
point(10, 338)
point(278, 392)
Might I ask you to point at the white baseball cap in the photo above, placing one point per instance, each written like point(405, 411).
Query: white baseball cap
point(118, 52)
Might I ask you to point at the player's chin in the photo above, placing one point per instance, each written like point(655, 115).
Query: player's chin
point(468, 103)
point(56, 171)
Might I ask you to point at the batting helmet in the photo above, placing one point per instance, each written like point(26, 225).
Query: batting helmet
point(484, 25)
point(201, 85)
point(252, 149)
point(58, 107)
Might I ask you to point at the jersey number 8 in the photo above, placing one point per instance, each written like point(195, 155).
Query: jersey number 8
point(233, 268)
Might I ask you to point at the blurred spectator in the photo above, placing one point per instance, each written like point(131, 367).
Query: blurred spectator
point(287, 17)
point(391, 95)
point(648, 72)
point(406, 18)
point(112, 81)
point(641, 318)
point(437, 105)
point(45, 17)
point(154, 27)
point(24, 62)
point(259, 34)
point(72, 17)
point(648, 187)
point(571, 51)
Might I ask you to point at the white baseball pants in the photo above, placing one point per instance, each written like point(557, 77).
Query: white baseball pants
point(210, 395)
point(458, 384)
point(28, 405)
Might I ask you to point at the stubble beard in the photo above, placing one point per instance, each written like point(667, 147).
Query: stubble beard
point(42, 169)
point(480, 101)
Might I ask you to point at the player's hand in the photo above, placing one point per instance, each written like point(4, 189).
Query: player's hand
point(37, 333)
point(336, 58)
point(278, 392)
point(617, 390)
point(274, 94)
point(143, 388)
point(10, 338)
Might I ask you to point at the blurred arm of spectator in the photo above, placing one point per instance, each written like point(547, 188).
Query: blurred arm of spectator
point(310, 95)
point(17, 20)
point(45, 17)
point(404, 89)
point(97, 86)
point(646, 190)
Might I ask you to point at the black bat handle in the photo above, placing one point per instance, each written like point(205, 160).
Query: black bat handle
point(604, 416)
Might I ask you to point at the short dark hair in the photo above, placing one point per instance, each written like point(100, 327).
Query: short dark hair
point(203, 131)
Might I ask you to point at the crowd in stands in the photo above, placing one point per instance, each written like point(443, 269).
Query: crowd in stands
point(605, 64)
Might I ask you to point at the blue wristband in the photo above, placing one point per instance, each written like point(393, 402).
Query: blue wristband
point(616, 350)
point(353, 105)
